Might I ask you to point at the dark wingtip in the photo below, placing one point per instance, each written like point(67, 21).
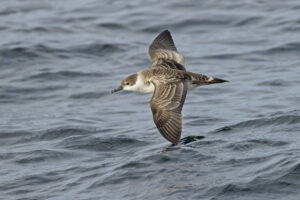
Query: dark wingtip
point(165, 34)
point(163, 41)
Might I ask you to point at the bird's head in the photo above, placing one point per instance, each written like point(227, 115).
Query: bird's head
point(128, 83)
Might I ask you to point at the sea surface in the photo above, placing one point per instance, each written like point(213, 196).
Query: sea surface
point(64, 136)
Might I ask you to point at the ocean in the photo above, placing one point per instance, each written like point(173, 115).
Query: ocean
point(64, 136)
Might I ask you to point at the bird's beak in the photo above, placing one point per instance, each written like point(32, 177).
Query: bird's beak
point(117, 89)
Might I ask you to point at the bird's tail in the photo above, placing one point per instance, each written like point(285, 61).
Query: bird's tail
point(213, 80)
point(207, 80)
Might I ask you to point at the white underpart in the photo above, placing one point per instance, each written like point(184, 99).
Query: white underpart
point(210, 79)
point(191, 86)
point(139, 86)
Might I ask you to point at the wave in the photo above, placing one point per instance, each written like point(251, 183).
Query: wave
point(18, 52)
point(9, 10)
point(189, 24)
point(247, 145)
point(44, 155)
point(263, 122)
point(42, 29)
point(65, 131)
point(286, 48)
point(111, 26)
point(41, 51)
point(22, 94)
point(4, 135)
point(63, 75)
point(279, 184)
point(258, 55)
point(58, 133)
point(85, 142)
point(275, 83)
point(99, 49)
point(203, 120)
point(89, 95)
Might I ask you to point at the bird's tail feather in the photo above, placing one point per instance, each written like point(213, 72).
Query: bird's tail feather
point(216, 80)
point(208, 80)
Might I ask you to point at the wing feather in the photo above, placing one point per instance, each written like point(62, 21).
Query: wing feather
point(166, 105)
point(163, 52)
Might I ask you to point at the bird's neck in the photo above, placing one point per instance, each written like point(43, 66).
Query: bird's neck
point(142, 85)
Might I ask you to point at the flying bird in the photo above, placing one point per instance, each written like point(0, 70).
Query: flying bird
point(169, 82)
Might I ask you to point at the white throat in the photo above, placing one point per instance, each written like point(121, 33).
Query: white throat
point(140, 85)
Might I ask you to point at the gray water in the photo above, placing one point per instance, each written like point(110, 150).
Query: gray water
point(63, 136)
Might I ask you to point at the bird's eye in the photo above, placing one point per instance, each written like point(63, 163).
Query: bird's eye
point(127, 83)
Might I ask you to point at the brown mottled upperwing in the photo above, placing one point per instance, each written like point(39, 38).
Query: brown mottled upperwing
point(166, 105)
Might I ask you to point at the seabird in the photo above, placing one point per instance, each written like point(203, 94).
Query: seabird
point(169, 81)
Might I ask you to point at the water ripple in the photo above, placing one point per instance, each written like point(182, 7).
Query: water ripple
point(62, 136)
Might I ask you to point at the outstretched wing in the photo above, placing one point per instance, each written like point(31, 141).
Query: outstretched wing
point(164, 54)
point(166, 105)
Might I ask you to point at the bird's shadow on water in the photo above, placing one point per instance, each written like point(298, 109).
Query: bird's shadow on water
point(183, 141)
point(190, 139)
